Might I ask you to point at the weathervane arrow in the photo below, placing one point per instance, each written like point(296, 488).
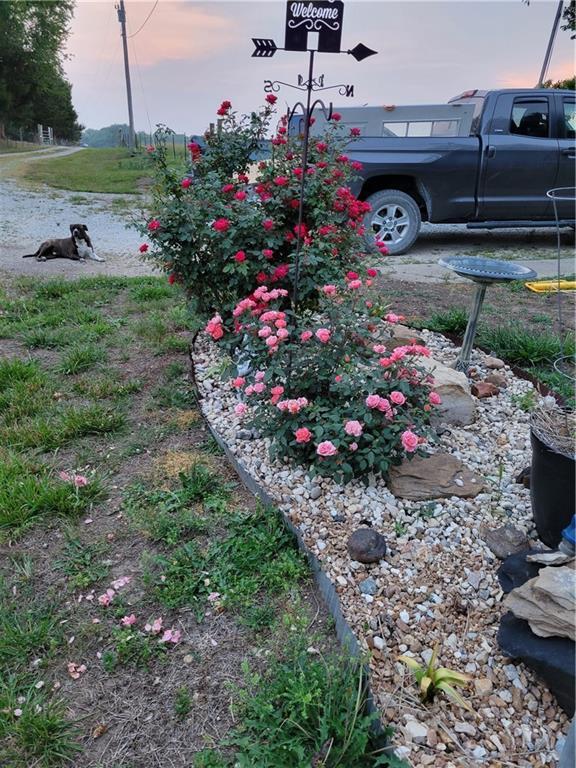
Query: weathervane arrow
point(264, 47)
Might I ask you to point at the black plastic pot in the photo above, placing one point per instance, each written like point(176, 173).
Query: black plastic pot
point(552, 491)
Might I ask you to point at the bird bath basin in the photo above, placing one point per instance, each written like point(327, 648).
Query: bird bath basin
point(483, 272)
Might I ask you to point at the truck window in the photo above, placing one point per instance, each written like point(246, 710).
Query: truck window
point(530, 118)
point(569, 119)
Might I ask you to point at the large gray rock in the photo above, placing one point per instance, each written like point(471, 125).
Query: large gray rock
point(504, 540)
point(366, 546)
point(457, 407)
point(434, 477)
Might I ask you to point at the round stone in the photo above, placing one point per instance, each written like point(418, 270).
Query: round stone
point(366, 546)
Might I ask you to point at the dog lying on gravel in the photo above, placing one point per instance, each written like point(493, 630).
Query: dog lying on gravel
point(77, 247)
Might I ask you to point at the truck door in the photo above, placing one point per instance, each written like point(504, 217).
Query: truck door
point(566, 105)
point(519, 161)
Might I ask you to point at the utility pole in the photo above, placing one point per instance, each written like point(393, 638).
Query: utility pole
point(548, 55)
point(122, 19)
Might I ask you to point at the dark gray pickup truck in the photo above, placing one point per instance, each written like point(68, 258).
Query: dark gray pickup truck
point(487, 159)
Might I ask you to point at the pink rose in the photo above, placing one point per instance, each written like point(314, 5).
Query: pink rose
point(397, 398)
point(306, 335)
point(353, 428)
point(259, 376)
point(380, 349)
point(326, 448)
point(259, 387)
point(302, 435)
point(409, 441)
point(264, 332)
point(323, 335)
point(329, 290)
point(434, 398)
point(238, 382)
point(392, 318)
point(384, 406)
point(127, 621)
point(271, 341)
point(240, 409)
point(353, 447)
point(80, 481)
point(282, 333)
point(372, 401)
point(355, 284)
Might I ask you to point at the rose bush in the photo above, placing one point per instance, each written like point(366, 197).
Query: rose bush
point(324, 387)
point(222, 235)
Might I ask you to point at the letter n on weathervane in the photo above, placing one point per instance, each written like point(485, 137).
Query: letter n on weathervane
point(324, 17)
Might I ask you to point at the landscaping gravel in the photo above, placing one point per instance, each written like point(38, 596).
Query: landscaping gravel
point(436, 584)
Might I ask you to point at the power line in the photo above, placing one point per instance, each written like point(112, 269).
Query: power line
point(145, 20)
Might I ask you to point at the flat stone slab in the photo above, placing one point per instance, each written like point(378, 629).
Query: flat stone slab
point(458, 405)
point(432, 477)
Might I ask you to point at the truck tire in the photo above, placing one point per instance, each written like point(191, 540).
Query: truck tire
point(394, 220)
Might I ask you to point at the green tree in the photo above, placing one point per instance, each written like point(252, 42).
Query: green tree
point(569, 18)
point(569, 84)
point(32, 83)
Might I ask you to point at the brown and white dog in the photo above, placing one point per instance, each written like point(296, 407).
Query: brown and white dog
point(77, 247)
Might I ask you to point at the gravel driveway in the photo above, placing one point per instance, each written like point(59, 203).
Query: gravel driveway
point(31, 214)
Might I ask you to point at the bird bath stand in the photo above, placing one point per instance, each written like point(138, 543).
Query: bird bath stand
point(483, 272)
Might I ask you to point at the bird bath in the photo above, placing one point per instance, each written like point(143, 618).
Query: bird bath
point(483, 272)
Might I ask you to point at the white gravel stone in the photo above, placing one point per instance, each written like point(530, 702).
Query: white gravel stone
point(438, 582)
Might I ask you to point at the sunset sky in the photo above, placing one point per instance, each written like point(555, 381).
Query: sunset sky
point(191, 55)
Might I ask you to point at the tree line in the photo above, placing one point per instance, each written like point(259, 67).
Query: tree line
point(33, 88)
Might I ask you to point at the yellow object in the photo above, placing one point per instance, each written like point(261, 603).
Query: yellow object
point(549, 286)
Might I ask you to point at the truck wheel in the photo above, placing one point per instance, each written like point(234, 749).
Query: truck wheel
point(394, 220)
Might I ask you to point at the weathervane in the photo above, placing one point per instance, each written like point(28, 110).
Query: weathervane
point(323, 20)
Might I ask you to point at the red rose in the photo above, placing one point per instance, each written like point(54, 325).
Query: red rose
point(355, 165)
point(172, 278)
point(221, 225)
point(143, 248)
point(271, 99)
point(243, 179)
point(240, 195)
point(261, 277)
point(336, 116)
point(186, 183)
point(240, 256)
point(301, 229)
point(228, 188)
point(352, 276)
point(268, 224)
point(153, 225)
point(281, 181)
point(294, 204)
point(371, 272)
point(268, 253)
point(354, 131)
point(280, 272)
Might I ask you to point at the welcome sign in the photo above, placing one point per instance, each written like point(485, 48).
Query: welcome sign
point(323, 17)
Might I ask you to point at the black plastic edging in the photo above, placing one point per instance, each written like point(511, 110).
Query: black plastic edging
point(344, 634)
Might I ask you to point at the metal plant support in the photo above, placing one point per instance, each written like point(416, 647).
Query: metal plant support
point(325, 20)
point(563, 194)
point(483, 272)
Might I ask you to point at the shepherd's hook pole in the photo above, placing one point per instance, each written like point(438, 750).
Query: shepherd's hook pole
point(548, 55)
point(122, 19)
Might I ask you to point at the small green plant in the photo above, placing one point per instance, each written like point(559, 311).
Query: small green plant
point(399, 528)
point(432, 679)
point(131, 647)
point(82, 563)
point(182, 703)
point(452, 321)
point(209, 758)
point(527, 401)
point(306, 710)
point(80, 359)
point(522, 346)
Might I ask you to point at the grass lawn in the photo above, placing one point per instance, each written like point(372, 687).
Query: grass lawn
point(148, 606)
point(93, 170)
